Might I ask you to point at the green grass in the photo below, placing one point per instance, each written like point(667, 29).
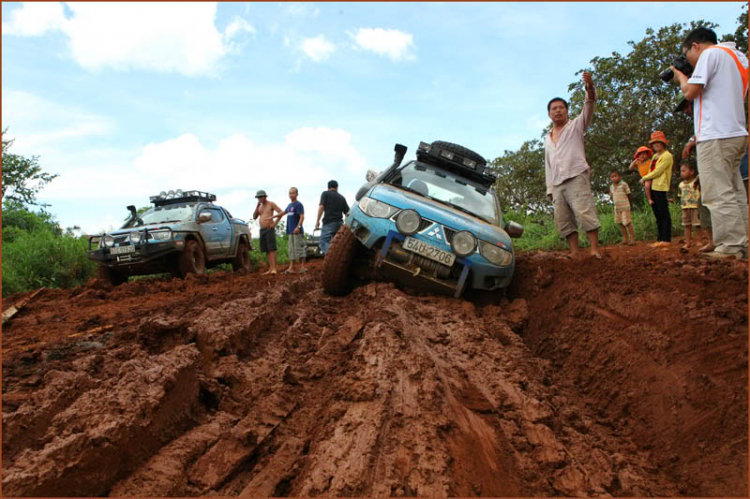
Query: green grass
point(42, 259)
point(540, 234)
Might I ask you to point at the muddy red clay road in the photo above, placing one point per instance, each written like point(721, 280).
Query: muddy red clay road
point(623, 377)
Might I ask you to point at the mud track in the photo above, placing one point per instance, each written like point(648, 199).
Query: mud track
point(624, 377)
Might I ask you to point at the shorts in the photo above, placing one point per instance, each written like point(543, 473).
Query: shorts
point(296, 247)
point(267, 240)
point(622, 217)
point(574, 204)
point(690, 217)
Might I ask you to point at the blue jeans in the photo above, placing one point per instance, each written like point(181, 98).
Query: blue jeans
point(327, 231)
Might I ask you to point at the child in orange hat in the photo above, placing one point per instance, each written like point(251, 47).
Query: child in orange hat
point(661, 174)
point(642, 163)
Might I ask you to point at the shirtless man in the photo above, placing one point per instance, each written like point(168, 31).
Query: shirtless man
point(265, 210)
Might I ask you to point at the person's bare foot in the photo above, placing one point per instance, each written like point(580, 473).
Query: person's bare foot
point(632, 243)
point(706, 248)
point(270, 272)
point(624, 243)
point(596, 254)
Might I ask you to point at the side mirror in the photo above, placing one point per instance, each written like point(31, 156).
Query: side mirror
point(514, 229)
point(204, 217)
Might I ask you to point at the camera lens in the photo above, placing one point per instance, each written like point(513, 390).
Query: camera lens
point(667, 75)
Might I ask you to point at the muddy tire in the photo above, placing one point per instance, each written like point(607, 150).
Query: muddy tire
point(337, 266)
point(242, 260)
point(111, 276)
point(192, 260)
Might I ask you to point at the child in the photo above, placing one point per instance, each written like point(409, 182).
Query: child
point(620, 194)
point(690, 194)
point(642, 163)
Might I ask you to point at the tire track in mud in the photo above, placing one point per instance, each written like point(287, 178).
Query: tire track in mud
point(254, 390)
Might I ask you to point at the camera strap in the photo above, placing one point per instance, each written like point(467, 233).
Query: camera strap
point(743, 74)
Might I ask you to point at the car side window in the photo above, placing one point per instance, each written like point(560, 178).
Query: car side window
point(216, 215)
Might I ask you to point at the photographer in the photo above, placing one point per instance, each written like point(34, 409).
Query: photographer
point(717, 87)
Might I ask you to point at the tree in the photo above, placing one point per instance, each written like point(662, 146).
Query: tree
point(631, 103)
point(740, 35)
point(23, 178)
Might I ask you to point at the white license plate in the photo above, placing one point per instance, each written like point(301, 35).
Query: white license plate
point(429, 251)
point(122, 250)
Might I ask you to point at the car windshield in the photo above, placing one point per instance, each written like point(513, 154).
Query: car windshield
point(447, 188)
point(163, 214)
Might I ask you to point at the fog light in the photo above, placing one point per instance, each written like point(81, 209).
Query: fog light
point(135, 237)
point(109, 241)
point(408, 222)
point(463, 243)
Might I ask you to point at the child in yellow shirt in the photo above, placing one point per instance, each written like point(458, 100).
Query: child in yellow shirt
point(690, 195)
point(642, 163)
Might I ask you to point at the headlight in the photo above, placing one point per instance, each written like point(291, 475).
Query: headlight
point(135, 237)
point(495, 254)
point(376, 208)
point(161, 235)
point(408, 222)
point(109, 241)
point(463, 243)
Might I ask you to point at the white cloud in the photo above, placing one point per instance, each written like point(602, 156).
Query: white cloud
point(39, 124)
point(392, 43)
point(34, 19)
point(160, 36)
point(238, 25)
point(318, 49)
point(537, 124)
point(301, 9)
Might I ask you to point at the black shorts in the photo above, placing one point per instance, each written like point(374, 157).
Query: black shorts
point(267, 240)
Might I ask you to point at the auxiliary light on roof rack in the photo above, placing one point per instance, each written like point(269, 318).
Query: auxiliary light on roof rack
point(180, 196)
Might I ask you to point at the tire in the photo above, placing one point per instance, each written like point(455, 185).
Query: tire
point(463, 151)
point(242, 260)
point(111, 276)
point(192, 260)
point(337, 266)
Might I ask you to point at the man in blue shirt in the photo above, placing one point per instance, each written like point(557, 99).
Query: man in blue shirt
point(295, 216)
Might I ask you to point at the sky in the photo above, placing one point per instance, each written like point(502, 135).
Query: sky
point(125, 100)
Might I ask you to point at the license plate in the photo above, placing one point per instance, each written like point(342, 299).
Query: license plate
point(122, 250)
point(429, 251)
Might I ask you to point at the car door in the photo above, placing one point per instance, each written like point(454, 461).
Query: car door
point(212, 231)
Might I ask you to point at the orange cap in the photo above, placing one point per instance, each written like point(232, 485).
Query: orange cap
point(643, 149)
point(658, 137)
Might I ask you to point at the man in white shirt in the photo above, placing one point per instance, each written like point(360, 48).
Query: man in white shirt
point(717, 88)
point(567, 172)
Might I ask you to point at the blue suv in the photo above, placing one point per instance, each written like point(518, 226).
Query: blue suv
point(431, 223)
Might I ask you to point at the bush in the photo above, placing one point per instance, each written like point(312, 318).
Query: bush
point(41, 258)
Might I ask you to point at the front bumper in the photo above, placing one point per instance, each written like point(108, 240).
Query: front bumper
point(148, 256)
point(381, 235)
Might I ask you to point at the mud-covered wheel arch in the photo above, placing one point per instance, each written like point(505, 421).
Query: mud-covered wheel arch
point(111, 276)
point(458, 149)
point(192, 260)
point(242, 260)
point(337, 266)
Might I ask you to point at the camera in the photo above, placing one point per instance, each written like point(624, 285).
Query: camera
point(681, 63)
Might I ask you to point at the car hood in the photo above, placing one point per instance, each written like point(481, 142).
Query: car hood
point(439, 212)
point(175, 226)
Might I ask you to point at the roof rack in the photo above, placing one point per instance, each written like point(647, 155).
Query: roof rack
point(457, 164)
point(178, 196)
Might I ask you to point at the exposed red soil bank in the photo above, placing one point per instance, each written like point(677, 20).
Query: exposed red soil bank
point(626, 376)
